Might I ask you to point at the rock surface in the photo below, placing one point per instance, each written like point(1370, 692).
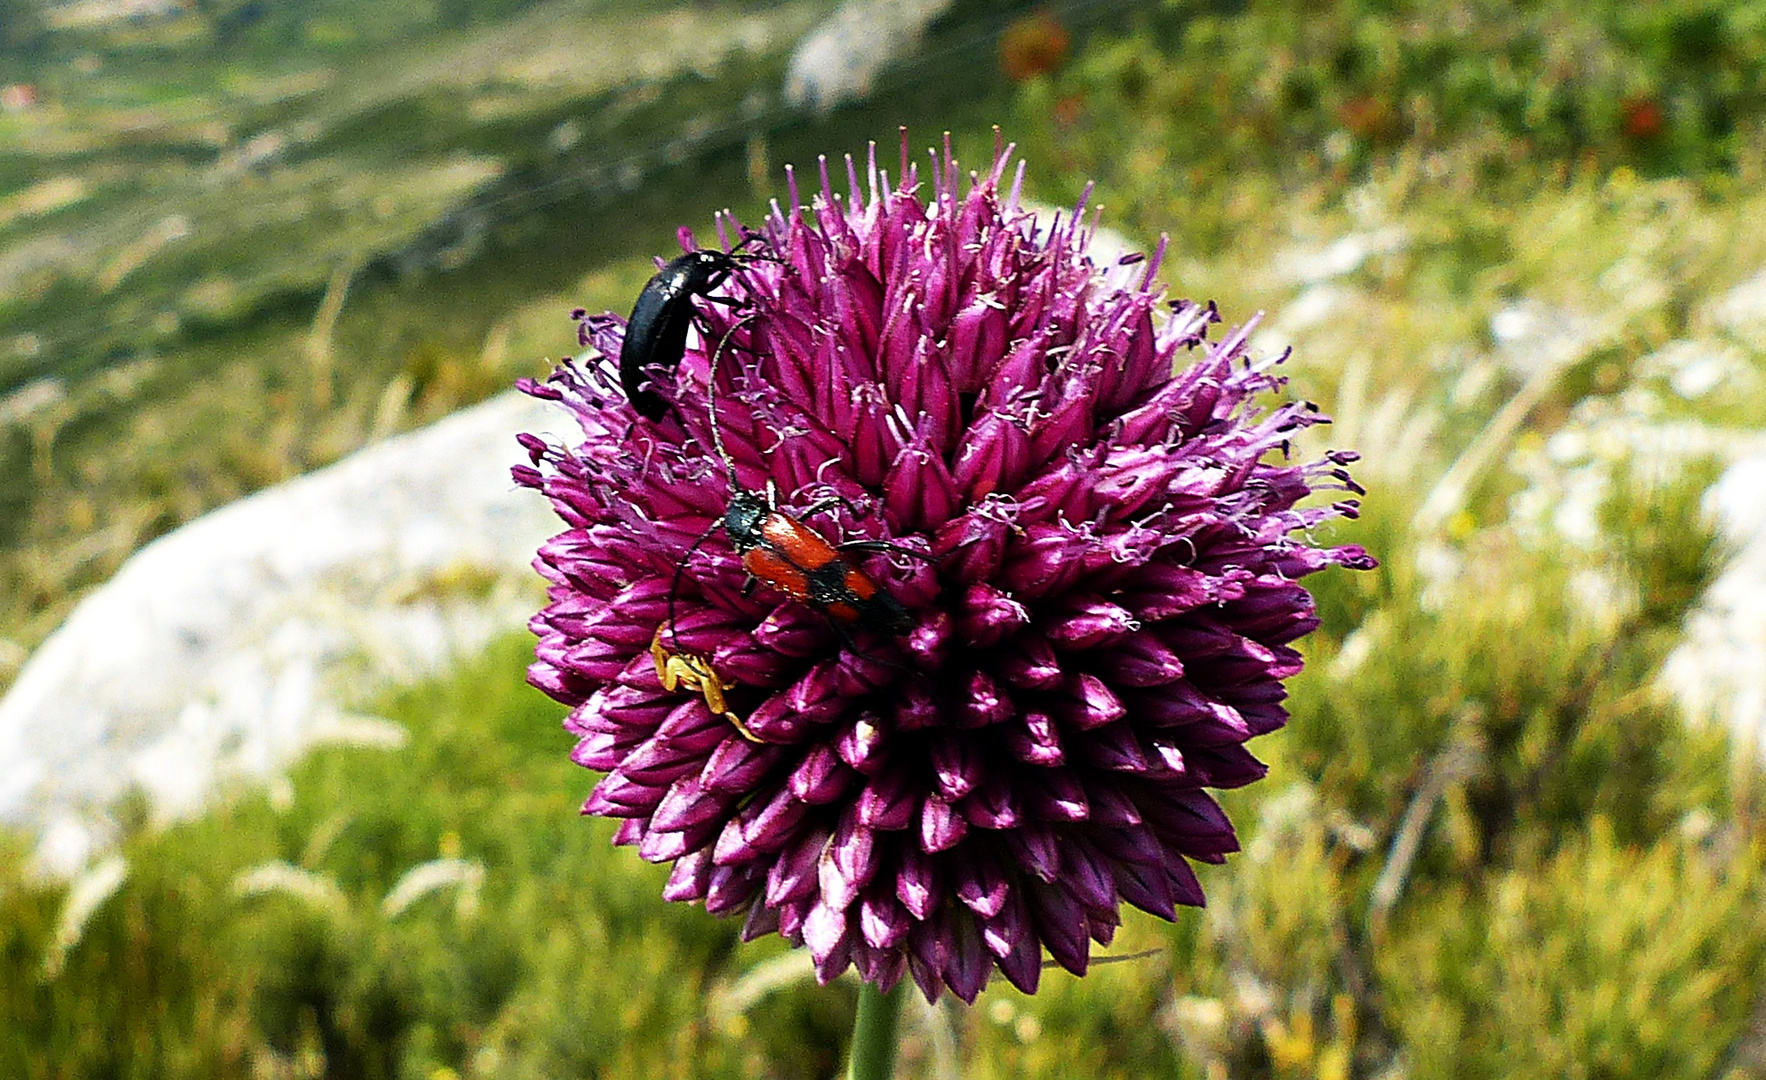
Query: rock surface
point(840, 59)
point(225, 648)
point(1718, 673)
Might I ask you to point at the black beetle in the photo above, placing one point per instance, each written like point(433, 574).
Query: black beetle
point(656, 333)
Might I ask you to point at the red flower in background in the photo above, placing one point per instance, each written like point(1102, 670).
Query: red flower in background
point(1642, 118)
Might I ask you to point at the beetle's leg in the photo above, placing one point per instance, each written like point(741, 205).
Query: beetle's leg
point(852, 647)
point(726, 342)
point(743, 728)
point(682, 673)
point(750, 238)
point(886, 545)
point(822, 506)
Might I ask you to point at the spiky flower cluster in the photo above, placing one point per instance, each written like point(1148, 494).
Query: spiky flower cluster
point(1100, 621)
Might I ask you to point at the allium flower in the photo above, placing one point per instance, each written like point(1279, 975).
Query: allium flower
point(1102, 621)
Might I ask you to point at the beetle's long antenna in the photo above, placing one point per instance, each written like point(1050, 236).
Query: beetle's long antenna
point(717, 435)
point(674, 587)
point(717, 441)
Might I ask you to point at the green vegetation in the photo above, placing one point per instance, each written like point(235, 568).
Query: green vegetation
point(265, 938)
point(1488, 845)
point(178, 208)
point(1194, 117)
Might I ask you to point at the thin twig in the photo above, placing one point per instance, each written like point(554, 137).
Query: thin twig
point(1460, 759)
point(324, 323)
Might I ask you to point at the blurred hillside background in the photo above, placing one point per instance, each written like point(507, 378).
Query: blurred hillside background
point(1515, 827)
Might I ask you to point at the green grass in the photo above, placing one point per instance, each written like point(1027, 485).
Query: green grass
point(552, 968)
point(192, 382)
point(1585, 895)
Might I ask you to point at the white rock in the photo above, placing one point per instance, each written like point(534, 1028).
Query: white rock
point(226, 647)
point(1345, 255)
point(31, 398)
point(1533, 337)
point(1742, 310)
point(841, 57)
point(1718, 672)
point(1694, 368)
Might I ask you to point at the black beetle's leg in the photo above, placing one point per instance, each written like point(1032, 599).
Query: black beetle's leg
point(885, 545)
point(852, 647)
point(726, 343)
point(752, 238)
point(749, 586)
point(822, 506)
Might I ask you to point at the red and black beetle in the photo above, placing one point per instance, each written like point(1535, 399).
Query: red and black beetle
point(779, 550)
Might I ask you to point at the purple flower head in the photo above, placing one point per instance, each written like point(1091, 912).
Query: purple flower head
point(1099, 584)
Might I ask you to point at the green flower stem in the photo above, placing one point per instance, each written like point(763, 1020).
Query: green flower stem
point(873, 1033)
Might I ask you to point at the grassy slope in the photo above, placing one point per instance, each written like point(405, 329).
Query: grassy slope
point(193, 378)
point(183, 975)
point(1585, 891)
point(214, 388)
